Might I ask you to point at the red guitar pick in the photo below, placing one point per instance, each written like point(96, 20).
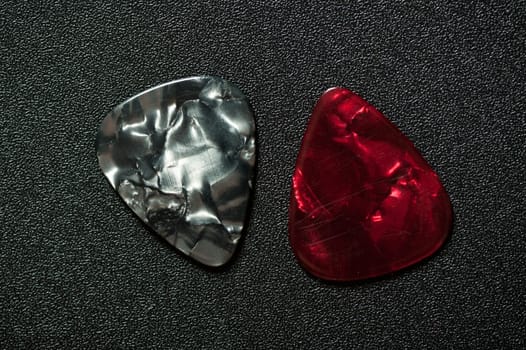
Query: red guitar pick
point(364, 201)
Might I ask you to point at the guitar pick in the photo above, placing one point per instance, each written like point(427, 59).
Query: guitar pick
point(181, 156)
point(364, 202)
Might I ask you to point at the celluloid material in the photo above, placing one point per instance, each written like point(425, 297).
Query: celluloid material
point(181, 155)
point(364, 201)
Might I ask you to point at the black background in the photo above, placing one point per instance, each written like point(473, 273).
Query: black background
point(79, 270)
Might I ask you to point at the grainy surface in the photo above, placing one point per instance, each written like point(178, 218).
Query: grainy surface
point(78, 270)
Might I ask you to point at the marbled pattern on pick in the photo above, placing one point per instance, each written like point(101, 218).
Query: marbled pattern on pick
point(181, 155)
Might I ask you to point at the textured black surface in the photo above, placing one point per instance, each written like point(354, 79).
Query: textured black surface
point(79, 270)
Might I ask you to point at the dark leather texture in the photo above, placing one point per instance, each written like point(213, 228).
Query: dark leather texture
point(78, 270)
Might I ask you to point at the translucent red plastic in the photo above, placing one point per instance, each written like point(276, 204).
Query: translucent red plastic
point(364, 201)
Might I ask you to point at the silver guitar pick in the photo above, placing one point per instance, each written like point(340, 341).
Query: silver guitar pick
point(182, 155)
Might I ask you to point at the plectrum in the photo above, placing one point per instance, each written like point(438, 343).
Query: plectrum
point(181, 156)
point(364, 202)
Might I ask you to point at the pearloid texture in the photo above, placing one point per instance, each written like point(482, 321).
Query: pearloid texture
point(181, 155)
point(364, 201)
